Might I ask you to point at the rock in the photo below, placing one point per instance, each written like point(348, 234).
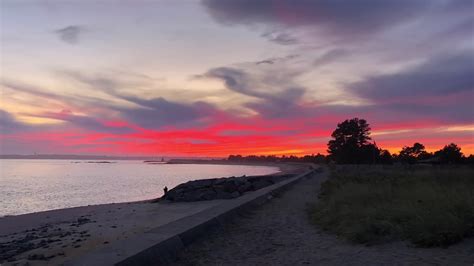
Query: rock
point(37, 257)
point(81, 221)
point(219, 188)
point(201, 183)
point(229, 186)
point(235, 194)
point(258, 184)
point(246, 186)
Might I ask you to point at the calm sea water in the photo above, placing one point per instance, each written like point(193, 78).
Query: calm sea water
point(37, 185)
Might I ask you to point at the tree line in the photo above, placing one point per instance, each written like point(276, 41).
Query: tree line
point(351, 144)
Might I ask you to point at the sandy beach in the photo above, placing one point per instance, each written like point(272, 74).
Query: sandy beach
point(53, 237)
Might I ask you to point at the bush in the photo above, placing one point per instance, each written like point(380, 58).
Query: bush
point(430, 206)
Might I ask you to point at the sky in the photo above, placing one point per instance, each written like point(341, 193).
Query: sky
point(218, 77)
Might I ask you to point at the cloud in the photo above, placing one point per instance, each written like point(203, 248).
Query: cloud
point(70, 34)
point(277, 93)
point(348, 17)
point(32, 90)
point(280, 38)
point(273, 60)
point(73, 101)
point(330, 56)
point(87, 122)
point(439, 76)
point(159, 112)
point(259, 86)
point(152, 113)
point(266, 61)
point(437, 90)
point(8, 123)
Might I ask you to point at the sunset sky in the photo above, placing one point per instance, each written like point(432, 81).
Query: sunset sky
point(219, 77)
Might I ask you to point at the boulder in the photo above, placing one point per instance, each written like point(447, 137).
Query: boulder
point(244, 187)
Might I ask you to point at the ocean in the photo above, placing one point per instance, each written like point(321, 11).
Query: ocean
point(28, 186)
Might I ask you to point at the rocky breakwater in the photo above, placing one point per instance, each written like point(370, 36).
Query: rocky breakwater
point(220, 188)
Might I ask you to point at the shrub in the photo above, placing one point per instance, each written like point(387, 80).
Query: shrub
point(429, 206)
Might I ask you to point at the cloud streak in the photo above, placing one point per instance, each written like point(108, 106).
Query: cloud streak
point(70, 34)
point(342, 17)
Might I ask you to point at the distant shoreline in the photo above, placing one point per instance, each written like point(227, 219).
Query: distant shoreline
point(91, 157)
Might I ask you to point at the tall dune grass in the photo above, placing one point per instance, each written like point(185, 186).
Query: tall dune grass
point(429, 206)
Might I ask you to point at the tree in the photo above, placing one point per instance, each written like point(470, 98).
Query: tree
point(350, 143)
point(385, 157)
point(469, 159)
point(449, 154)
point(413, 154)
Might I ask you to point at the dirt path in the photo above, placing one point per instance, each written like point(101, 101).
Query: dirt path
point(279, 233)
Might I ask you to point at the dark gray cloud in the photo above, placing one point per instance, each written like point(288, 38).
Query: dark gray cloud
point(266, 61)
point(458, 111)
point(32, 90)
point(70, 34)
point(87, 122)
point(159, 112)
point(8, 123)
point(149, 113)
point(273, 60)
point(251, 85)
point(440, 89)
point(439, 76)
point(349, 17)
point(279, 97)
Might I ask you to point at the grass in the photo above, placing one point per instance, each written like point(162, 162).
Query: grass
point(429, 206)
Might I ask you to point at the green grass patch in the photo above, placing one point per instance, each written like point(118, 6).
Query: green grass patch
point(429, 206)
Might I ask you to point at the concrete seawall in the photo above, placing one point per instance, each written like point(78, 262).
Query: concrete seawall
point(160, 245)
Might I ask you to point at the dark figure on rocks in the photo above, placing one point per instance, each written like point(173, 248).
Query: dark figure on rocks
point(165, 190)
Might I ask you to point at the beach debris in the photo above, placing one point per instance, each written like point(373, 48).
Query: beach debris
point(48, 236)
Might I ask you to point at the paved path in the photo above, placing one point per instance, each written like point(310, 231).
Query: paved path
point(279, 233)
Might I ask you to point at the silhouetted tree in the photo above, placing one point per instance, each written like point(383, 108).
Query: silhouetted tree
point(385, 157)
point(469, 159)
point(350, 143)
point(413, 154)
point(318, 158)
point(449, 154)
